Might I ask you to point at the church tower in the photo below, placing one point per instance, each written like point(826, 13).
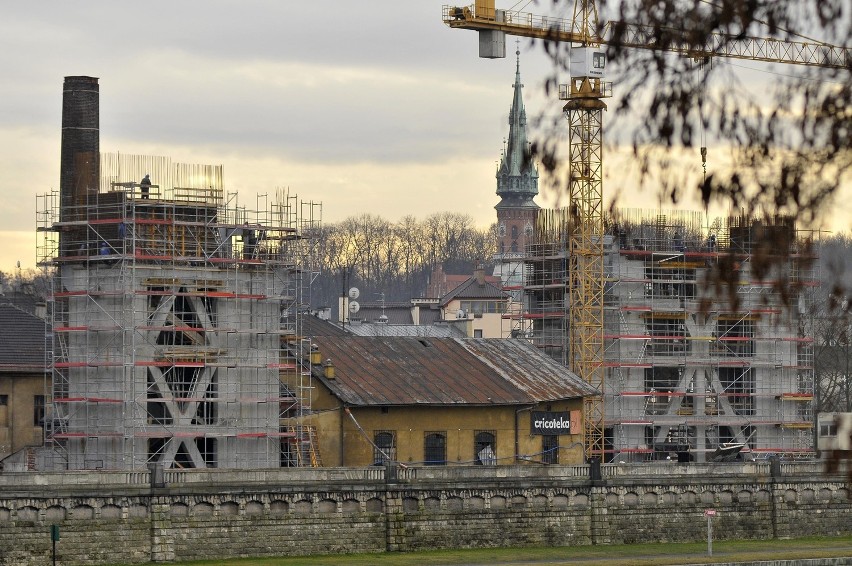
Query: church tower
point(517, 182)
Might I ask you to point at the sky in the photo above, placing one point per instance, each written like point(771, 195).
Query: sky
point(367, 107)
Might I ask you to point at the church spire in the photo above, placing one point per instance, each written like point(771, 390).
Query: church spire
point(517, 176)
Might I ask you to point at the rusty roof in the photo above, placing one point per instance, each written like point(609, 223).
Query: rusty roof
point(444, 371)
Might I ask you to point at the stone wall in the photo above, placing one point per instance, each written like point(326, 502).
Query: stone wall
point(113, 517)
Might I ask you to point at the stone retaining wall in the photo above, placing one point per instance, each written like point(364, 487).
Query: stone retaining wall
point(116, 518)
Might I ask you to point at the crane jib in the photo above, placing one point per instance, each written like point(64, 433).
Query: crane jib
point(636, 36)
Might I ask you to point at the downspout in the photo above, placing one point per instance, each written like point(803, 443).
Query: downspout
point(340, 423)
point(517, 433)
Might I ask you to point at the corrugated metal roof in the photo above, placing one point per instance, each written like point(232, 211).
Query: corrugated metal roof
point(397, 313)
point(527, 367)
point(315, 326)
point(411, 330)
point(22, 338)
point(444, 371)
point(429, 316)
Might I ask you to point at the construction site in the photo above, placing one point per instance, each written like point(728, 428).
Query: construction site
point(694, 332)
point(174, 311)
point(692, 364)
point(176, 336)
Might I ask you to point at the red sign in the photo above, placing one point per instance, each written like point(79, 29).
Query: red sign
point(709, 512)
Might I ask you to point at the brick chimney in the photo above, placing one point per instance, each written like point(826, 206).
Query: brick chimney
point(80, 153)
point(479, 274)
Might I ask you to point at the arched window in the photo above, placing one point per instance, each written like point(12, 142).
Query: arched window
point(484, 449)
point(435, 449)
point(385, 449)
point(514, 232)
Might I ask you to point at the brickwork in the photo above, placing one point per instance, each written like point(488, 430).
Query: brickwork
point(80, 140)
point(294, 513)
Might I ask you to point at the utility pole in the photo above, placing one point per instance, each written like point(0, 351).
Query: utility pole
point(846, 336)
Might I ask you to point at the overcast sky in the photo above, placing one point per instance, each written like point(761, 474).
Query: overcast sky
point(370, 106)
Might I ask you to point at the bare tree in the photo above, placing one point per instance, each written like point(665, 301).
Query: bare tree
point(832, 329)
point(410, 236)
point(791, 145)
point(394, 258)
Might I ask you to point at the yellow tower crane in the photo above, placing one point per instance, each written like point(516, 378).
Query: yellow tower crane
point(584, 109)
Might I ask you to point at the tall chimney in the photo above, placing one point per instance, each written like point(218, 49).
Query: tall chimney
point(80, 157)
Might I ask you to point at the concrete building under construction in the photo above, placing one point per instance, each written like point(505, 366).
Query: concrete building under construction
point(694, 361)
point(700, 326)
point(174, 311)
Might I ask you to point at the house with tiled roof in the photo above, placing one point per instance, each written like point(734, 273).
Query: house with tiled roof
point(443, 401)
point(479, 301)
point(441, 283)
point(23, 369)
point(473, 308)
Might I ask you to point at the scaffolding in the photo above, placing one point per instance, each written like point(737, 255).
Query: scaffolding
point(543, 282)
point(693, 361)
point(509, 267)
point(175, 316)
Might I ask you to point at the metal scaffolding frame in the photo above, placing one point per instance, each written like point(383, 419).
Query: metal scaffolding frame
point(691, 363)
point(175, 316)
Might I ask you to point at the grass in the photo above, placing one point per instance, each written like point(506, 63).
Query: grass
point(610, 555)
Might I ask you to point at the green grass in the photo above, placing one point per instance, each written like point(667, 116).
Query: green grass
point(622, 555)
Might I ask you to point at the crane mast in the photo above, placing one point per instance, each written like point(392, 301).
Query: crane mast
point(585, 252)
point(584, 107)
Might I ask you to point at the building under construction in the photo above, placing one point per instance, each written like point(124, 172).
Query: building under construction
point(175, 311)
point(705, 341)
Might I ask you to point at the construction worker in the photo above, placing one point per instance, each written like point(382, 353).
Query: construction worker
point(145, 185)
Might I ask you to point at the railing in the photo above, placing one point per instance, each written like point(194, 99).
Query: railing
point(99, 479)
point(461, 473)
point(207, 195)
point(71, 479)
point(277, 476)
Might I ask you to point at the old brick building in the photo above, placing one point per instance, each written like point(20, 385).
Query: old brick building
point(22, 379)
point(441, 401)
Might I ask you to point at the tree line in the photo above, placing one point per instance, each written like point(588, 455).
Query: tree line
point(394, 258)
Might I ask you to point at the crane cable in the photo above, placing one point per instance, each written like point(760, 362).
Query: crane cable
point(515, 6)
point(703, 80)
point(375, 446)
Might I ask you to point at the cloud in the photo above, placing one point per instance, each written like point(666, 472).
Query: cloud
point(371, 106)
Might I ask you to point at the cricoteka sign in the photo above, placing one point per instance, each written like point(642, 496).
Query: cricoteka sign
point(550, 422)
